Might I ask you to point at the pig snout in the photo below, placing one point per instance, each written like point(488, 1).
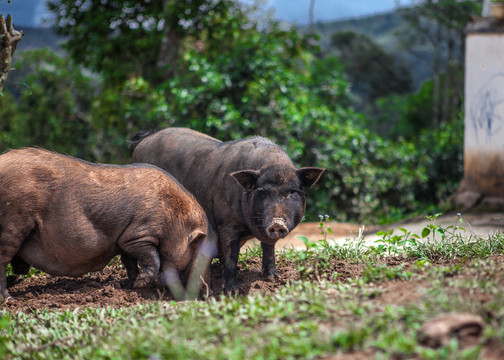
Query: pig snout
point(277, 229)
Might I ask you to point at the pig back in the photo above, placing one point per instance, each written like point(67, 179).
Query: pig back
point(203, 165)
point(75, 211)
point(38, 181)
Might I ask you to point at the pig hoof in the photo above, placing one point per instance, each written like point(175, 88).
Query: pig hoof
point(232, 291)
point(271, 275)
point(141, 283)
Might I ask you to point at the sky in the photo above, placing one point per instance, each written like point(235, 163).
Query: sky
point(296, 11)
point(24, 12)
point(31, 12)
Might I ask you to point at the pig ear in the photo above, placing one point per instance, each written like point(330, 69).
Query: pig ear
point(246, 178)
point(196, 236)
point(309, 175)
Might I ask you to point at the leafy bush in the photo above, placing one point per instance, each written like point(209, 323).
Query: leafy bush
point(367, 177)
point(232, 79)
point(53, 108)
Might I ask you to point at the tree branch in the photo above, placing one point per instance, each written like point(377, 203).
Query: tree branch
point(9, 38)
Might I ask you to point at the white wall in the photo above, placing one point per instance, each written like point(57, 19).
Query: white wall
point(484, 113)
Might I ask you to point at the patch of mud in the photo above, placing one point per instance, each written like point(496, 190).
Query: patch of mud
point(110, 287)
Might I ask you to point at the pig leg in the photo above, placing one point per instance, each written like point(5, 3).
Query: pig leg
point(230, 250)
point(6, 257)
point(149, 267)
point(147, 254)
point(268, 262)
point(10, 242)
point(19, 266)
point(130, 264)
point(4, 294)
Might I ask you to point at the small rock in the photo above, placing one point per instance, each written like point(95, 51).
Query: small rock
point(438, 331)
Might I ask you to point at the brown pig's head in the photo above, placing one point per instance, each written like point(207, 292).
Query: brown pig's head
point(188, 251)
point(273, 200)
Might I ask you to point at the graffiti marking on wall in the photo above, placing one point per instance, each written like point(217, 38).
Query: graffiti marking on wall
point(487, 110)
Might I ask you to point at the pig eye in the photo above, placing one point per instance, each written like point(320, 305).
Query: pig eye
point(293, 192)
point(261, 192)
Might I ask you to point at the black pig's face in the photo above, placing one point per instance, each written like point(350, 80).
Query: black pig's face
point(273, 200)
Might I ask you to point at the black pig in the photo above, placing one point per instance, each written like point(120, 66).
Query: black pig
point(68, 217)
point(248, 188)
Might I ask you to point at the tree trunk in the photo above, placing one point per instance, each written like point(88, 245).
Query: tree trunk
point(9, 38)
point(311, 15)
point(170, 48)
point(436, 78)
point(447, 81)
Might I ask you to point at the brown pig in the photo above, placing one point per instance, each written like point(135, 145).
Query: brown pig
point(68, 217)
point(248, 188)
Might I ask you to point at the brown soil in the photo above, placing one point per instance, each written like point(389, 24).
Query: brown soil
point(110, 287)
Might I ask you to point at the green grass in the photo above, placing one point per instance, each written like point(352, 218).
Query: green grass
point(302, 320)
point(318, 315)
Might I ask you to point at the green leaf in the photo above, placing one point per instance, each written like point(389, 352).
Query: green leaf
point(304, 239)
point(425, 232)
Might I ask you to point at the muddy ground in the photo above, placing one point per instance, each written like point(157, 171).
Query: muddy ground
point(111, 288)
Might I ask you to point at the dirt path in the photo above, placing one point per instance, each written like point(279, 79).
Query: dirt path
point(313, 232)
point(475, 224)
point(110, 286)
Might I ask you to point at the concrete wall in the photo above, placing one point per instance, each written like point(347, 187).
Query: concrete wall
point(483, 183)
point(484, 113)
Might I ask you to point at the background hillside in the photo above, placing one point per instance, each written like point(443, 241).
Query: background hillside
point(383, 29)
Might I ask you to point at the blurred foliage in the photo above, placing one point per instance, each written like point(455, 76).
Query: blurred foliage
point(438, 30)
point(8, 115)
point(373, 72)
point(52, 108)
point(405, 116)
point(230, 77)
point(427, 34)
